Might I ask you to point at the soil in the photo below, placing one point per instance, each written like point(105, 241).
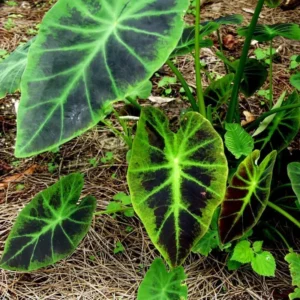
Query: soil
point(94, 271)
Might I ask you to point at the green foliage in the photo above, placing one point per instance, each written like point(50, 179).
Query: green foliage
point(282, 129)
point(262, 262)
point(246, 197)
point(295, 80)
point(295, 62)
point(12, 68)
point(294, 264)
point(264, 33)
point(159, 284)
point(176, 180)
point(295, 295)
point(119, 248)
point(237, 140)
point(273, 3)
point(50, 227)
point(264, 54)
point(85, 47)
point(294, 175)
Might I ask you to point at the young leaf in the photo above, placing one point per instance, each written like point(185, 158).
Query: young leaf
point(295, 80)
point(12, 69)
point(264, 33)
point(50, 227)
point(207, 243)
point(282, 130)
point(159, 284)
point(257, 246)
point(88, 54)
point(294, 175)
point(294, 264)
point(242, 252)
point(264, 264)
point(246, 197)
point(176, 180)
point(237, 140)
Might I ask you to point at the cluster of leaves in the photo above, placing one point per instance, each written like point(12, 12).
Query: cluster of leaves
point(71, 74)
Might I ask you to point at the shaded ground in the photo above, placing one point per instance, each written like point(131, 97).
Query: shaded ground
point(93, 271)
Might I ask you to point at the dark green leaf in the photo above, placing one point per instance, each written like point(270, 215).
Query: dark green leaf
point(159, 284)
point(282, 130)
point(176, 180)
point(246, 197)
point(237, 140)
point(273, 3)
point(263, 33)
point(219, 91)
point(12, 69)
point(295, 80)
point(88, 54)
point(294, 175)
point(187, 41)
point(50, 227)
point(227, 20)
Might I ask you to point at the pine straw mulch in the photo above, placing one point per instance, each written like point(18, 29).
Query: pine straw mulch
point(93, 271)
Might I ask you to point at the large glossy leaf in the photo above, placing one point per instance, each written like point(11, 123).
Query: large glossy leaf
point(176, 180)
point(263, 33)
point(294, 175)
point(246, 197)
point(283, 128)
point(12, 69)
point(159, 284)
point(89, 53)
point(50, 227)
point(187, 42)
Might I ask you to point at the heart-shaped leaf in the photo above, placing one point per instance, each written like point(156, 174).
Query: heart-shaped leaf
point(50, 227)
point(88, 54)
point(159, 284)
point(12, 69)
point(176, 180)
point(246, 197)
point(283, 128)
point(294, 175)
point(264, 33)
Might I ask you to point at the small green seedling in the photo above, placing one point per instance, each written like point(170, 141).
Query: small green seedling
point(119, 248)
point(166, 82)
point(108, 158)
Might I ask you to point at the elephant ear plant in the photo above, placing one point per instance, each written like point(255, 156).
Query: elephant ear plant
point(90, 54)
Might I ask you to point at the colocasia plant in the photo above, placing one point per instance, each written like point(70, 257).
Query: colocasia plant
point(201, 186)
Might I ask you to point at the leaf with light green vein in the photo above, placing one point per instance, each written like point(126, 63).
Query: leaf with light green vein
point(50, 227)
point(187, 42)
point(246, 197)
point(294, 264)
point(176, 180)
point(282, 130)
point(264, 33)
point(237, 140)
point(294, 175)
point(12, 69)
point(295, 80)
point(159, 284)
point(88, 54)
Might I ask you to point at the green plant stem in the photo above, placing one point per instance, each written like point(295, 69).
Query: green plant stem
point(268, 113)
point(281, 236)
point(271, 74)
point(184, 85)
point(221, 49)
point(134, 103)
point(233, 105)
point(200, 96)
point(284, 213)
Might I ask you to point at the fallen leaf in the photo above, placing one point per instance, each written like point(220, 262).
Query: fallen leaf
point(160, 100)
point(17, 177)
point(249, 118)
